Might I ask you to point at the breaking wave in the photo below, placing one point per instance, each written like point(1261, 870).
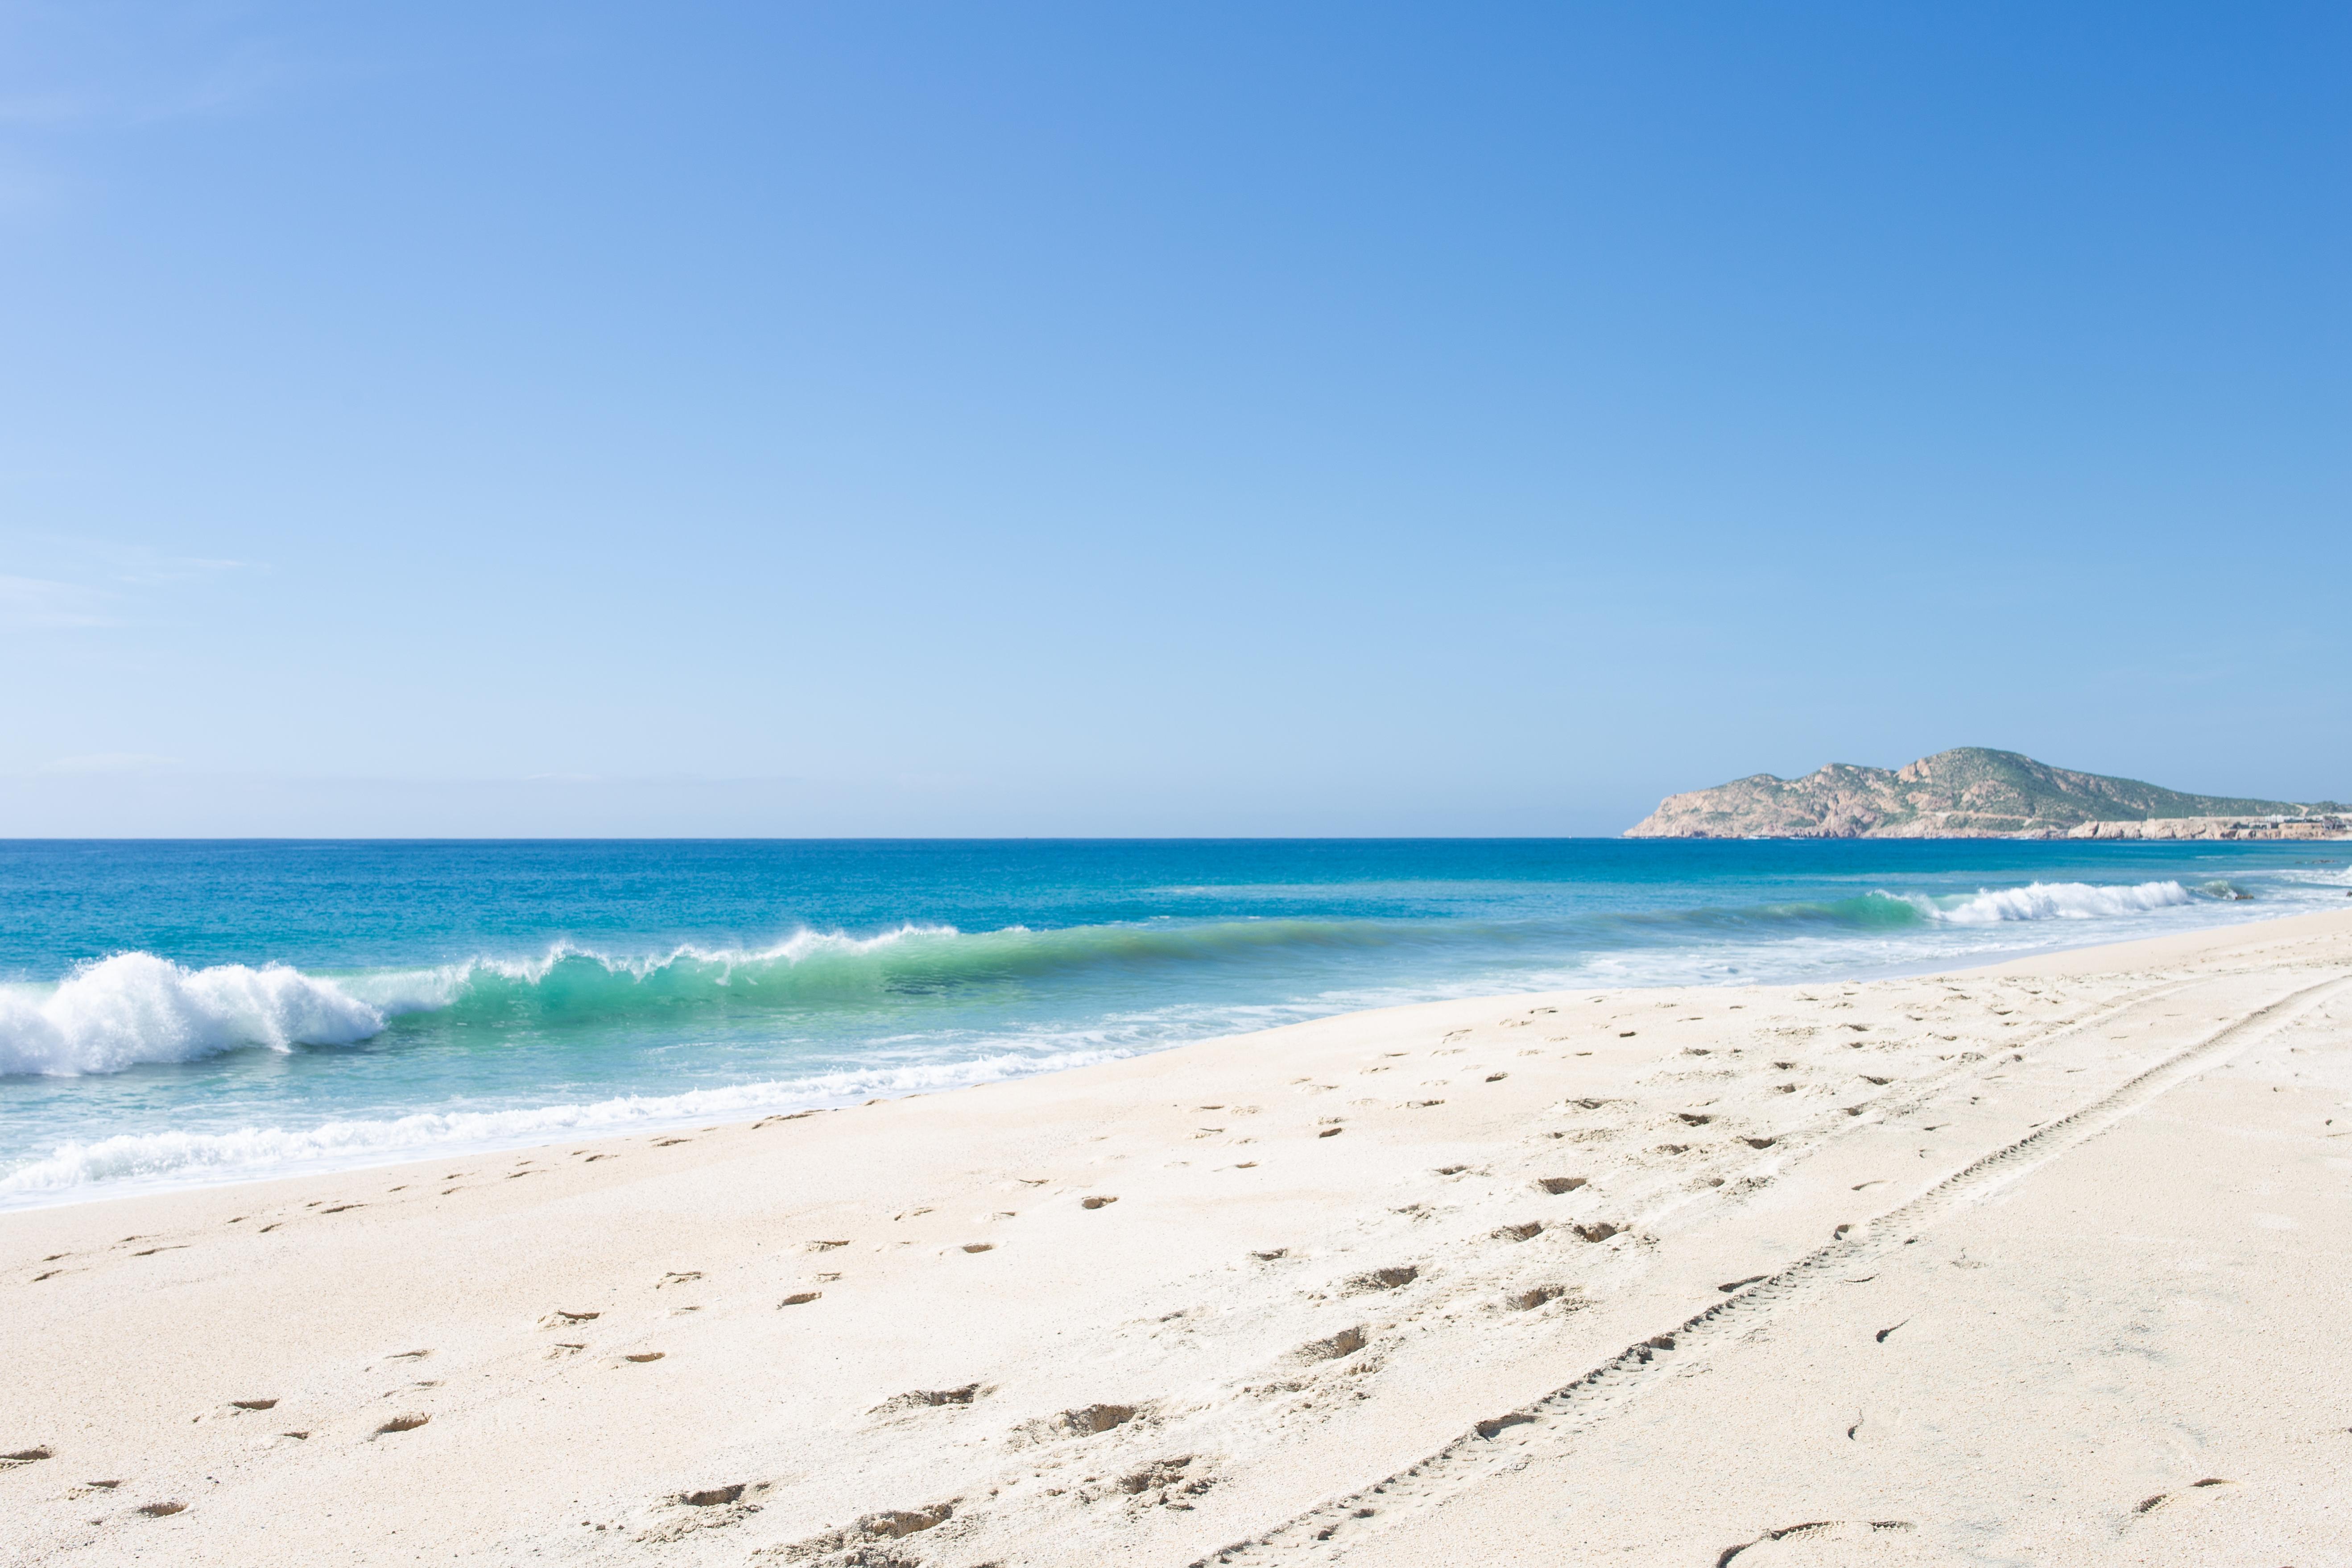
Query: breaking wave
point(136, 1007)
point(816, 969)
point(2058, 901)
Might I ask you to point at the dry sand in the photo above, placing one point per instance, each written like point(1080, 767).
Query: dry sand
point(2049, 1263)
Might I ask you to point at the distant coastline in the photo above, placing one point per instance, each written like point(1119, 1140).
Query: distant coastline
point(1973, 792)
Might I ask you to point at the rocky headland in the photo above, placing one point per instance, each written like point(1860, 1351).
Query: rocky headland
point(1971, 792)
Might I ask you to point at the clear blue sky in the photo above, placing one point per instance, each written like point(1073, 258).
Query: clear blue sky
point(1026, 418)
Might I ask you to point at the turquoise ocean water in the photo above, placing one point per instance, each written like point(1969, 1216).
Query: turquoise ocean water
point(174, 1013)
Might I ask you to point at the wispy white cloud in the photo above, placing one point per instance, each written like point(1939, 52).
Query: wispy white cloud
point(89, 69)
point(96, 583)
point(109, 762)
point(41, 110)
point(38, 604)
point(136, 566)
point(93, 66)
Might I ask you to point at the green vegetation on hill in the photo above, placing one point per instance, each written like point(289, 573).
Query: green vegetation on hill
point(2010, 785)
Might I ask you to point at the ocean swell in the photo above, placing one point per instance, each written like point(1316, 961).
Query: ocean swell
point(136, 1007)
point(817, 970)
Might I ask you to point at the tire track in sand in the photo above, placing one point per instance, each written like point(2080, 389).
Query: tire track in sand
point(1550, 1425)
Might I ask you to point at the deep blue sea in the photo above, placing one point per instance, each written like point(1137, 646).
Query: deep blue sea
point(181, 1012)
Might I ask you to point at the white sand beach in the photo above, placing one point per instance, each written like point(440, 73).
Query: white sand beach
point(2045, 1263)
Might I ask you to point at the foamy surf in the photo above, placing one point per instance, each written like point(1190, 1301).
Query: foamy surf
point(2058, 901)
point(136, 1007)
point(134, 1161)
point(362, 1004)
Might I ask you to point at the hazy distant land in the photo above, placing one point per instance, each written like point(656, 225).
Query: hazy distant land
point(1971, 792)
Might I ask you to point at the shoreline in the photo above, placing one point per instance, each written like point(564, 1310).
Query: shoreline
point(627, 1126)
point(1321, 1256)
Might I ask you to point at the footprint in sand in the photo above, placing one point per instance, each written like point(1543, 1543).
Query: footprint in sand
point(1382, 1279)
point(888, 1524)
point(1346, 1343)
point(2150, 1504)
point(1164, 1483)
point(927, 1399)
point(1820, 1531)
point(402, 1424)
point(1085, 1421)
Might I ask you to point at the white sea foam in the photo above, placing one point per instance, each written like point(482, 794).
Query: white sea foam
point(149, 1160)
point(2059, 901)
point(136, 1007)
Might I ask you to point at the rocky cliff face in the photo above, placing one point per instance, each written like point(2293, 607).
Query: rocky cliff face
point(1973, 793)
